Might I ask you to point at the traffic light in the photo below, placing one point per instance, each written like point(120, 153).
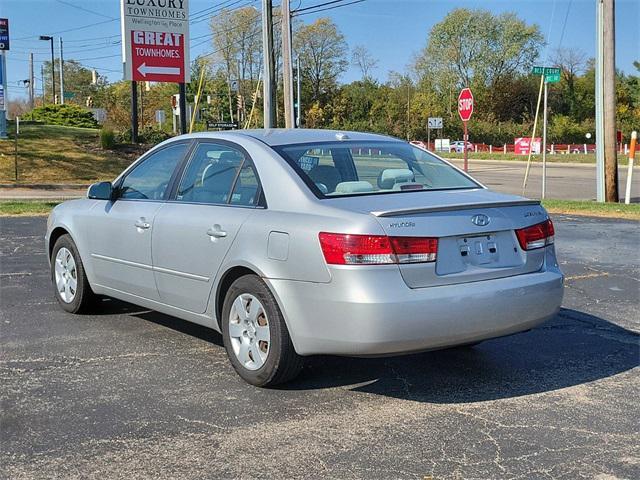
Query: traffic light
point(89, 102)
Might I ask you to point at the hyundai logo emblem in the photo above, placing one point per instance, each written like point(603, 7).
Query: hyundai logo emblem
point(480, 220)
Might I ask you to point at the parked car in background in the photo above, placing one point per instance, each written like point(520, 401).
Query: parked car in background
point(420, 144)
point(302, 242)
point(459, 145)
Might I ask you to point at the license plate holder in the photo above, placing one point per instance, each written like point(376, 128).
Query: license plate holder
point(478, 249)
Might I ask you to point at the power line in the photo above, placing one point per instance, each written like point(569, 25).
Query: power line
point(564, 24)
point(329, 8)
point(316, 6)
point(202, 18)
point(85, 9)
point(71, 29)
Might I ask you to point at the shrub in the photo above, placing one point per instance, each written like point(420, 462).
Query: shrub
point(69, 115)
point(107, 139)
point(152, 135)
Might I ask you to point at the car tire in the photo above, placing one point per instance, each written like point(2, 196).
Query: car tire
point(70, 283)
point(250, 314)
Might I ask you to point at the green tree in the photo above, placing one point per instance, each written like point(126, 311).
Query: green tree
point(475, 47)
point(362, 59)
point(322, 50)
point(78, 83)
point(238, 53)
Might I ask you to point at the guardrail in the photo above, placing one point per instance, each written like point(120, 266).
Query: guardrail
point(554, 148)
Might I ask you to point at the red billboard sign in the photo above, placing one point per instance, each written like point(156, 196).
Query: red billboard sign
point(522, 145)
point(157, 56)
point(155, 40)
point(465, 104)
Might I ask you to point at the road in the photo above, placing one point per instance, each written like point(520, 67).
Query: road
point(565, 181)
point(128, 393)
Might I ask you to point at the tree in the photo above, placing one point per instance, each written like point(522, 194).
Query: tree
point(475, 47)
point(322, 51)
point(238, 47)
point(572, 62)
point(363, 60)
point(78, 83)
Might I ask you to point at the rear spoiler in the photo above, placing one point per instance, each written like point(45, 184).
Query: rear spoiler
point(448, 208)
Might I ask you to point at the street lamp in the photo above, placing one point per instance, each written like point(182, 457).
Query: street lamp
point(47, 38)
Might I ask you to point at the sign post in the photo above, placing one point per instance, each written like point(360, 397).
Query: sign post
point(155, 46)
point(4, 46)
point(465, 110)
point(433, 123)
point(551, 75)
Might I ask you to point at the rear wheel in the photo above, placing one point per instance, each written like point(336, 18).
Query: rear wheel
point(255, 334)
point(70, 282)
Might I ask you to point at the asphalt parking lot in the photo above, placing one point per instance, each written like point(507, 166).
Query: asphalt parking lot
point(128, 393)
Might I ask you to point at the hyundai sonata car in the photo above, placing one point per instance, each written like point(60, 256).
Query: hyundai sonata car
point(302, 242)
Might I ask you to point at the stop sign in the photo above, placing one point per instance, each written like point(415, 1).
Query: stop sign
point(465, 104)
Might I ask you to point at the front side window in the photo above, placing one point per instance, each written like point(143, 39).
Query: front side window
point(150, 179)
point(357, 168)
point(219, 174)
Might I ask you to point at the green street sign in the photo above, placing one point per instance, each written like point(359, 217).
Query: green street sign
point(69, 95)
point(545, 71)
point(553, 78)
point(551, 74)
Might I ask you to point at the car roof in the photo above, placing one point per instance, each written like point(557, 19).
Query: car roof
point(288, 136)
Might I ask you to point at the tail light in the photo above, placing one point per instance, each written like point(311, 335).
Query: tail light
point(347, 249)
point(536, 236)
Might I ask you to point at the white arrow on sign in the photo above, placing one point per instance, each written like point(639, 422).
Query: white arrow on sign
point(144, 69)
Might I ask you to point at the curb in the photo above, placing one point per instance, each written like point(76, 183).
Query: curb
point(46, 186)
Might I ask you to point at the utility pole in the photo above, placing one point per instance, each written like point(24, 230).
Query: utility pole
point(298, 94)
point(287, 67)
point(609, 91)
point(544, 142)
point(3, 83)
point(134, 111)
point(32, 84)
point(61, 73)
point(183, 108)
point(408, 105)
point(48, 38)
point(43, 82)
point(269, 84)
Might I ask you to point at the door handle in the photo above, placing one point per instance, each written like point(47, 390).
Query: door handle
point(143, 224)
point(216, 232)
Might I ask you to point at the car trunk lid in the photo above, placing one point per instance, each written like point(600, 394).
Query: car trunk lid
point(475, 231)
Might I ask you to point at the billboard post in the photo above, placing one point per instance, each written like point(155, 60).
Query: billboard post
point(4, 46)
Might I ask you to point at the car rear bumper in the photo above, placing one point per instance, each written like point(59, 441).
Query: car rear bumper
point(370, 311)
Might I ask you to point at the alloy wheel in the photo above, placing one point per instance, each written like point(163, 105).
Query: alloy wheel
point(249, 331)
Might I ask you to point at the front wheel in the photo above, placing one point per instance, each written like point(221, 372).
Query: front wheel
point(69, 279)
point(255, 334)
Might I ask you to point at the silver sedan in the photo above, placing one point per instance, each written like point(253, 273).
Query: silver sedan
point(301, 242)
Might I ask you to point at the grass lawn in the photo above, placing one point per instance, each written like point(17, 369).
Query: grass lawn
point(610, 210)
point(498, 155)
point(55, 154)
point(594, 209)
point(11, 208)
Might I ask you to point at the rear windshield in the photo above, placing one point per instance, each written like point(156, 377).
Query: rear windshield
point(361, 168)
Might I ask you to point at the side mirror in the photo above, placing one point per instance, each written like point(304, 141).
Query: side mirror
point(100, 191)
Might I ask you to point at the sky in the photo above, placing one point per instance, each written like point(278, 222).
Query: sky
point(393, 30)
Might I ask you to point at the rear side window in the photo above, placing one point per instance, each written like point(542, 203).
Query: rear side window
point(149, 180)
point(361, 168)
point(219, 174)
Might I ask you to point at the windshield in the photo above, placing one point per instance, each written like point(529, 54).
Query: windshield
point(361, 168)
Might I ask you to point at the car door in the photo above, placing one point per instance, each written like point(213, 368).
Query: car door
point(119, 231)
point(217, 193)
